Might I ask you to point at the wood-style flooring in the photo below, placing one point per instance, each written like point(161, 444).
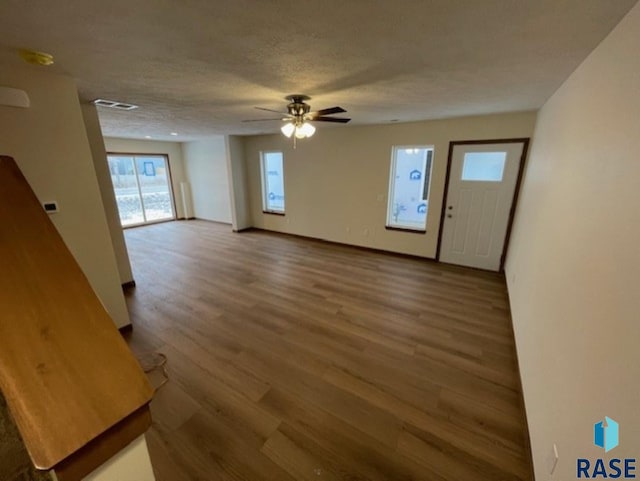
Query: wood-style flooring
point(294, 359)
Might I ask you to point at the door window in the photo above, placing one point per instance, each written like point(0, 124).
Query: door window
point(483, 166)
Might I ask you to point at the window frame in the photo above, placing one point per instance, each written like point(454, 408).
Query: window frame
point(464, 164)
point(263, 177)
point(389, 224)
point(167, 163)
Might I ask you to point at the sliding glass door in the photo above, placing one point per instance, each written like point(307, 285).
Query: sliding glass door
point(143, 188)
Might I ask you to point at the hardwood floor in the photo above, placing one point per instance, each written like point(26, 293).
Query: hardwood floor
point(293, 359)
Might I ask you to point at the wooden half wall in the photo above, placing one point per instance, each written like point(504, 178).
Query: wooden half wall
point(76, 392)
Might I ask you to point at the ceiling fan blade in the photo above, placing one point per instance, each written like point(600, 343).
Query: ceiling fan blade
point(261, 120)
point(276, 111)
point(329, 111)
point(330, 119)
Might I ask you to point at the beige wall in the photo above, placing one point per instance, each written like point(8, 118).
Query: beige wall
point(336, 183)
point(172, 149)
point(206, 168)
point(49, 142)
point(130, 464)
point(237, 170)
point(96, 142)
point(574, 266)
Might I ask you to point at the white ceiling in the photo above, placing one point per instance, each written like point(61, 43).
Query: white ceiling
point(198, 67)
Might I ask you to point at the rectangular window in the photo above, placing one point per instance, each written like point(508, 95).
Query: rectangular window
point(143, 188)
point(409, 187)
point(483, 166)
point(272, 167)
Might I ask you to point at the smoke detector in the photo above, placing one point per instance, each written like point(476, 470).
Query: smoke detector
point(36, 58)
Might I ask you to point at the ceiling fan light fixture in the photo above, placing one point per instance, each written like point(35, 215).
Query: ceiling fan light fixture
point(287, 129)
point(299, 133)
point(307, 129)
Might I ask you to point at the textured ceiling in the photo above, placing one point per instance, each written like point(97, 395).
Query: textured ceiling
point(198, 67)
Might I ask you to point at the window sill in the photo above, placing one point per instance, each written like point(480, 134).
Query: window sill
point(273, 212)
point(406, 229)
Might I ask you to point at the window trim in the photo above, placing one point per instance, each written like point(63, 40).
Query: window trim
point(392, 175)
point(273, 212)
point(406, 229)
point(265, 209)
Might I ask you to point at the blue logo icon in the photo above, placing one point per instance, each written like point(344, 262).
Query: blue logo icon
point(605, 434)
point(422, 209)
point(415, 175)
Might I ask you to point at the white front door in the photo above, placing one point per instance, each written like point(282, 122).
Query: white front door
point(482, 183)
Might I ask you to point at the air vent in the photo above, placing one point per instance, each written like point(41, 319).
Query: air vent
point(114, 105)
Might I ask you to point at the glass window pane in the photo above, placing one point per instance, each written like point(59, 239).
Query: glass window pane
point(273, 181)
point(154, 187)
point(142, 187)
point(409, 187)
point(123, 176)
point(484, 166)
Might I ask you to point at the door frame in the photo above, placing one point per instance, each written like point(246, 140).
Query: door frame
point(525, 150)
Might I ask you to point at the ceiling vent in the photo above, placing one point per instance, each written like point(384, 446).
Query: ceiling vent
point(114, 105)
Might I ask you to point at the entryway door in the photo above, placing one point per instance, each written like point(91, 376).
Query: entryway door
point(479, 201)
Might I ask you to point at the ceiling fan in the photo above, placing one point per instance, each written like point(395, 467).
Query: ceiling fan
point(299, 116)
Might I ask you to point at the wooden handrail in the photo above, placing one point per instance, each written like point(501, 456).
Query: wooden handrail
point(65, 371)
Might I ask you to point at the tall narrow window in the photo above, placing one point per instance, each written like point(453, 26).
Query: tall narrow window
point(271, 164)
point(143, 188)
point(409, 187)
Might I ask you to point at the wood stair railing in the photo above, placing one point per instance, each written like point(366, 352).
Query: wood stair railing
point(76, 392)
